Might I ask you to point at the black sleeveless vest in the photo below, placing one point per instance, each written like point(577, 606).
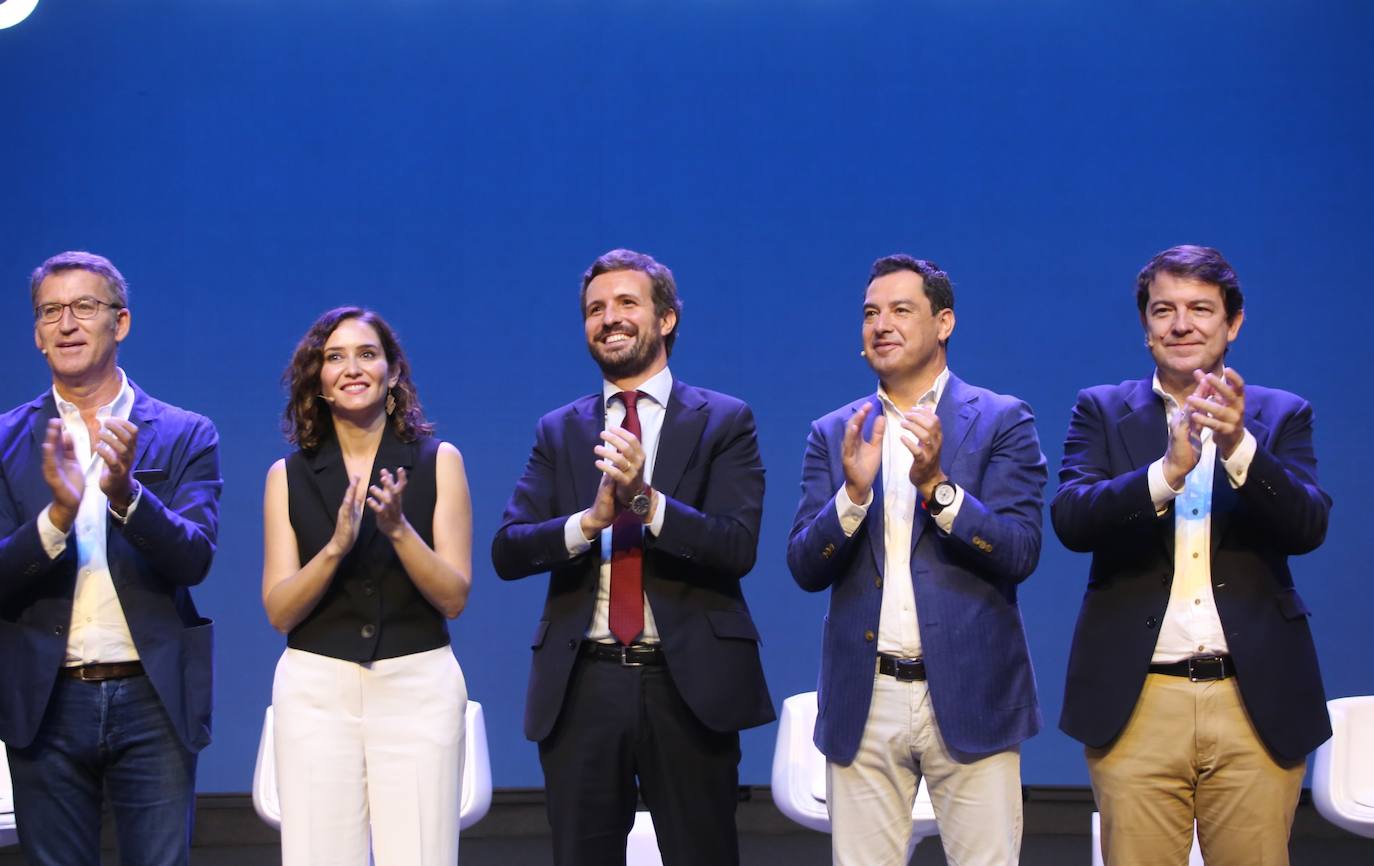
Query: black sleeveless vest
point(371, 609)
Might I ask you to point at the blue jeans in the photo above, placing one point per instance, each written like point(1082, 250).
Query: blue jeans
point(104, 738)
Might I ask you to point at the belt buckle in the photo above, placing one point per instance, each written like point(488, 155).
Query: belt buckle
point(625, 658)
point(84, 670)
point(1196, 668)
point(905, 670)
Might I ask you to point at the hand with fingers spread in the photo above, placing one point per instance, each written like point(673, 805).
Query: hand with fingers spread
point(861, 459)
point(924, 442)
point(347, 522)
point(384, 498)
point(1218, 403)
point(62, 472)
point(116, 445)
point(622, 460)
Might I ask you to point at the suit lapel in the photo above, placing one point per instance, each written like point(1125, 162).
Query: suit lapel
point(392, 454)
point(1144, 431)
point(584, 434)
point(684, 420)
point(1225, 497)
point(874, 521)
point(146, 418)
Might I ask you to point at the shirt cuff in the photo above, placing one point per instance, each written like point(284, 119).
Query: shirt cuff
point(945, 519)
point(1160, 491)
point(659, 508)
point(133, 503)
point(54, 540)
point(851, 515)
point(576, 542)
point(1237, 466)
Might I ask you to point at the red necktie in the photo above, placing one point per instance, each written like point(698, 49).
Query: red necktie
point(627, 555)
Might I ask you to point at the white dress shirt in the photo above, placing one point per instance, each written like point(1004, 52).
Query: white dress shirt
point(652, 405)
point(98, 632)
point(1191, 625)
point(898, 633)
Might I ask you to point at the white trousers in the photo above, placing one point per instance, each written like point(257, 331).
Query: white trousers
point(977, 804)
point(369, 757)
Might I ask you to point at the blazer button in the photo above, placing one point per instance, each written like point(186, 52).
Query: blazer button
point(878, 582)
point(368, 631)
point(572, 642)
point(57, 629)
point(1151, 622)
point(869, 635)
point(369, 589)
point(828, 552)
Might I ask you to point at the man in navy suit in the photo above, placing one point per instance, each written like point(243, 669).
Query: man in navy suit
point(1193, 681)
point(643, 503)
point(108, 515)
point(921, 512)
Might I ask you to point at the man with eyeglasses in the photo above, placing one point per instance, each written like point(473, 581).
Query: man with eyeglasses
point(109, 504)
point(920, 512)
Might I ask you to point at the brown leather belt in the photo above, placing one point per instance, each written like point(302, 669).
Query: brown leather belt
point(106, 671)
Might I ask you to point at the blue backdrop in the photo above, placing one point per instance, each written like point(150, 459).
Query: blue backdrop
point(249, 164)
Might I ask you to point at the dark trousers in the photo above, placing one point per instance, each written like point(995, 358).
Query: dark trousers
point(98, 739)
point(621, 724)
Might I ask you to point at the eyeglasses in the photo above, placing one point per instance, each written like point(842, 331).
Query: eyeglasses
point(82, 308)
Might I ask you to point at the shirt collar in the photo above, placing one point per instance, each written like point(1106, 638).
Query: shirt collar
point(657, 387)
point(1171, 405)
point(119, 407)
point(930, 398)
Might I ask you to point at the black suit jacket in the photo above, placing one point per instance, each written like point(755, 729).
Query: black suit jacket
point(1103, 507)
point(708, 469)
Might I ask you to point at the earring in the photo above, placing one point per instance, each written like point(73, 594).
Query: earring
point(390, 401)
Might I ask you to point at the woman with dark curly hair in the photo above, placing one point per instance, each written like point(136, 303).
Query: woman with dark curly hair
point(368, 549)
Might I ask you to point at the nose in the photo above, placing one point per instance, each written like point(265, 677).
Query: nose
point(67, 323)
point(1182, 323)
point(353, 367)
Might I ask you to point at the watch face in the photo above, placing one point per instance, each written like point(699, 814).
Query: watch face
point(640, 505)
point(944, 495)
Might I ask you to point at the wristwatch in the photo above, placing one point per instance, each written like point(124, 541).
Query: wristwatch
point(642, 501)
point(942, 497)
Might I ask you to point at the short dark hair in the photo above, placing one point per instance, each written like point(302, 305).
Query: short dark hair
point(306, 421)
point(939, 290)
point(1204, 264)
point(664, 288)
point(80, 260)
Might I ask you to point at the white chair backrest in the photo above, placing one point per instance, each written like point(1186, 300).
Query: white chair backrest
point(476, 796)
point(1343, 767)
point(799, 789)
point(1194, 856)
point(8, 836)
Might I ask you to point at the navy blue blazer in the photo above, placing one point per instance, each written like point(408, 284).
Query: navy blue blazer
point(709, 471)
point(1103, 507)
point(978, 666)
point(164, 549)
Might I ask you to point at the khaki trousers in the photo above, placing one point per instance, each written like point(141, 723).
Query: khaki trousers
point(1189, 751)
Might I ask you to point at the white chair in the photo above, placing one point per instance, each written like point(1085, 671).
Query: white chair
point(8, 834)
point(799, 774)
point(641, 848)
point(476, 797)
point(1343, 769)
point(1194, 857)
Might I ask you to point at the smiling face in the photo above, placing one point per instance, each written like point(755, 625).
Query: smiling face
point(902, 337)
point(354, 374)
point(624, 335)
point(80, 351)
point(1186, 328)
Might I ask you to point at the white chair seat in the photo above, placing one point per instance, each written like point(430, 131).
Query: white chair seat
point(476, 797)
point(799, 774)
point(1343, 769)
